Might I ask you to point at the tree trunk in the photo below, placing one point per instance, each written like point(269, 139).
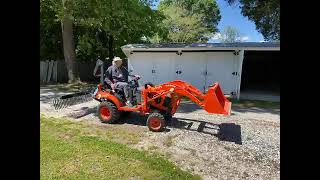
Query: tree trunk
point(69, 47)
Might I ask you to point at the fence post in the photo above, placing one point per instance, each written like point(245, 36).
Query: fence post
point(45, 71)
point(41, 71)
point(54, 74)
point(49, 71)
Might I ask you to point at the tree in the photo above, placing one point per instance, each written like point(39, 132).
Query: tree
point(68, 42)
point(190, 20)
point(265, 15)
point(121, 22)
point(182, 27)
point(62, 11)
point(229, 35)
point(50, 33)
point(98, 27)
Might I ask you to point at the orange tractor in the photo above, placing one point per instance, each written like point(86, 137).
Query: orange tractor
point(159, 102)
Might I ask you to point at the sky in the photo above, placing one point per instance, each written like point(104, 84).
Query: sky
point(231, 16)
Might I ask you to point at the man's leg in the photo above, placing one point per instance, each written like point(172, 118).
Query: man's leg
point(124, 86)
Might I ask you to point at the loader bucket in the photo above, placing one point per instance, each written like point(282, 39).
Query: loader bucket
point(215, 101)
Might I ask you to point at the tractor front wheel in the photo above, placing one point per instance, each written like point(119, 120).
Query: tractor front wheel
point(108, 112)
point(156, 122)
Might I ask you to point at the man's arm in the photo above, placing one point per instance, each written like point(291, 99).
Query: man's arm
point(108, 77)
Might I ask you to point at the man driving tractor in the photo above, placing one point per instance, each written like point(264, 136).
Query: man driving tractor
point(117, 78)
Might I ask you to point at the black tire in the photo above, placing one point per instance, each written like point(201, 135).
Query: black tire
point(168, 117)
point(125, 114)
point(106, 108)
point(156, 122)
point(121, 99)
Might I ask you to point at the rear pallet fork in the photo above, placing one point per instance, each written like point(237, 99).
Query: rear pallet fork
point(72, 99)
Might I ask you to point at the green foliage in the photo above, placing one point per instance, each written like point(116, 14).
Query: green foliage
point(265, 15)
point(183, 27)
point(119, 22)
point(101, 27)
point(88, 46)
point(229, 35)
point(190, 20)
point(50, 32)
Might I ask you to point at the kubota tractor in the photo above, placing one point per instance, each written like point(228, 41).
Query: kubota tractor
point(159, 102)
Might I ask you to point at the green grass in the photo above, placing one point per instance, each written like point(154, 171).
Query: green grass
point(72, 87)
point(69, 150)
point(153, 147)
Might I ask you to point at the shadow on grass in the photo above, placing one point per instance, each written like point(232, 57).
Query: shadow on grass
point(84, 111)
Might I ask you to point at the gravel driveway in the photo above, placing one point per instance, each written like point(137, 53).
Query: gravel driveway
point(245, 145)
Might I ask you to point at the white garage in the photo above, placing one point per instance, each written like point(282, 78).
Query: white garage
point(199, 64)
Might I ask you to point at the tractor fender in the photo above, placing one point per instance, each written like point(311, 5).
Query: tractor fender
point(109, 97)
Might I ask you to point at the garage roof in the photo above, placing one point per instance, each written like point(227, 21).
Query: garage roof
point(263, 46)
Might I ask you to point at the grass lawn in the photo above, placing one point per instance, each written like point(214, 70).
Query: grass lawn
point(78, 150)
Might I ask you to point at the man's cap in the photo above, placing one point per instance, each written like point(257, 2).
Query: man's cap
point(117, 59)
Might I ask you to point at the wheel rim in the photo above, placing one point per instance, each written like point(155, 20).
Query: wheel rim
point(105, 113)
point(155, 123)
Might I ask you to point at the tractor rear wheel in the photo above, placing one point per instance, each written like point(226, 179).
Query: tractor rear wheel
point(108, 112)
point(168, 117)
point(156, 122)
point(125, 114)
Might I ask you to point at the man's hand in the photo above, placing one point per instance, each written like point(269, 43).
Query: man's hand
point(113, 86)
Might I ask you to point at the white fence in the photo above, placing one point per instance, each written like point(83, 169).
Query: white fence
point(48, 71)
point(56, 71)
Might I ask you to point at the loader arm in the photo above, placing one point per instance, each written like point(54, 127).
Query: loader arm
point(213, 101)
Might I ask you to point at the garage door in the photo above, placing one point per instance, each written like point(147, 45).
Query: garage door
point(190, 67)
point(222, 68)
point(200, 69)
point(153, 67)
